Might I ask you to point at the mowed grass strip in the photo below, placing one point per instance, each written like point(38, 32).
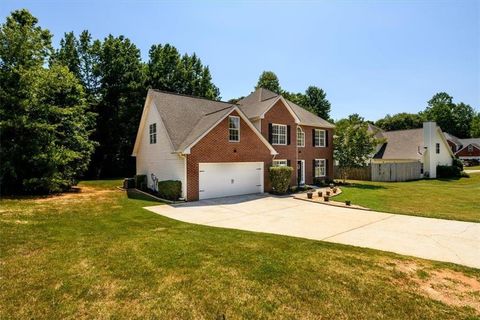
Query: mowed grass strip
point(455, 199)
point(98, 254)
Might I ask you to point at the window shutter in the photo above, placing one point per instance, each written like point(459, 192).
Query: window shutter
point(313, 170)
point(270, 132)
point(326, 168)
point(326, 138)
point(289, 163)
point(313, 137)
point(288, 135)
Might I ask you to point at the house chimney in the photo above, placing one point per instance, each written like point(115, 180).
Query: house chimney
point(429, 162)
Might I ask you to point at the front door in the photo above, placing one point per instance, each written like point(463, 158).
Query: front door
point(301, 172)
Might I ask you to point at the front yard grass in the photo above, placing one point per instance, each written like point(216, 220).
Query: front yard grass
point(455, 199)
point(98, 254)
point(472, 168)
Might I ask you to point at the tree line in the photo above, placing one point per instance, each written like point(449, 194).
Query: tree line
point(459, 119)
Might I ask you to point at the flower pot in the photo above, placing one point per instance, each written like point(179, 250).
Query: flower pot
point(334, 190)
point(320, 194)
point(309, 195)
point(348, 202)
point(328, 193)
point(326, 198)
point(331, 185)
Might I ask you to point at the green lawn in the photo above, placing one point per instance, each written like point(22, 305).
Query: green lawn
point(98, 254)
point(446, 199)
point(472, 168)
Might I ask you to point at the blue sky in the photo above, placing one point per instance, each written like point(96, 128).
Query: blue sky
point(371, 57)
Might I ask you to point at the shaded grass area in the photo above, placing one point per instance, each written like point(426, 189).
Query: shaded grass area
point(98, 254)
point(457, 199)
point(472, 168)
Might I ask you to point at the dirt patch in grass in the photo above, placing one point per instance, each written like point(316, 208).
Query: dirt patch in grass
point(448, 286)
point(79, 194)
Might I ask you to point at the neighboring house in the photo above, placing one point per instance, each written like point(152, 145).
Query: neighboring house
point(221, 149)
point(464, 149)
point(410, 154)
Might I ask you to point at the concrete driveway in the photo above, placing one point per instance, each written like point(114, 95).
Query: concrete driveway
point(436, 239)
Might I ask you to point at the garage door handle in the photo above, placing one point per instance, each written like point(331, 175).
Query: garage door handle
point(202, 170)
point(201, 190)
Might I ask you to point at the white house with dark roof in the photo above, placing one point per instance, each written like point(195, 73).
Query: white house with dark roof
point(425, 146)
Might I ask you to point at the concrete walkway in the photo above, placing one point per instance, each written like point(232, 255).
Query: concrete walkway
point(436, 239)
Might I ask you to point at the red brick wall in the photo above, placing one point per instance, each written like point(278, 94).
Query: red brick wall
point(279, 114)
point(464, 153)
point(215, 147)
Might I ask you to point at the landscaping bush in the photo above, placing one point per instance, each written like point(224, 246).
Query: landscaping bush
point(170, 189)
point(458, 163)
point(448, 171)
point(141, 181)
point(280, 178)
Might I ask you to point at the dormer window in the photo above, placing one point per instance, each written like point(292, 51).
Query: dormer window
point(233, 129)
point(300, 137)
point(153, 133)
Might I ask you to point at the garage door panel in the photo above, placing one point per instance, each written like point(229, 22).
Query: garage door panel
point(228, 179)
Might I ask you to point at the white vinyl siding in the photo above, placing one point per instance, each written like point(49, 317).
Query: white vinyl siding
point(300, 137)
point(234, 129)
point(280, 163)
point(319, 138)
point(320, 168)
point(279, 134)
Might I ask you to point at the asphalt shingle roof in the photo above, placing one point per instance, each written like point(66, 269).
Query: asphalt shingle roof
point(402, 144)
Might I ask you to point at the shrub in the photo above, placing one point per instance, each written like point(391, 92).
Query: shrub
point(457, 163)
point(141, 181)
point(448, 171)
point(170, 189)
point(280, 178)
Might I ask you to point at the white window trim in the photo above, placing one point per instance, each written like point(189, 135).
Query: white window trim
point(324, 161)
point(280, 162)
point(320, 140)
point(237, 117)
point(470, 148)
point(303, 137)
point(286, 133)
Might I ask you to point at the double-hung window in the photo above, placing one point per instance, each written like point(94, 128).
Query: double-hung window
point(280, 163)
point(153, 133)
point(300, 137)
point(279, 134)
point(319, 138)
point(234, 129)
point(320, 168)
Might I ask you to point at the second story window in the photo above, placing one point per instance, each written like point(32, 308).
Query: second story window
point(437, 148)
point(153, 133)
point(234, 129)
point(279, 134)
point(300, 137)
point(319, 138)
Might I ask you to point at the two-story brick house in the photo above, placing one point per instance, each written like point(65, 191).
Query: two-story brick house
point(221, 149)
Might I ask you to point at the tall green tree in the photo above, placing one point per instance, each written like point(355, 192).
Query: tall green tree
point(269, 80)
point(452, 118)
point(353, 144)
point(475, 126)
point(122, 93)
point(167, 70)
point(44, 125)
point(68, 55)
point(400, 121)
point(315, 99)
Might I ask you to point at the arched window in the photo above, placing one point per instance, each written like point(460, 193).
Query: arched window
point(300, 137)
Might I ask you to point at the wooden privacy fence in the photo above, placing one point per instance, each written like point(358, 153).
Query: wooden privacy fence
point(396, 171)
point(364, 173)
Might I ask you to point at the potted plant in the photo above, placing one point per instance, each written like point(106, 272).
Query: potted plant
point(334, 189)
point(327, 192)
point(348, 202)
point(326, 198)
point(331, 185)
point(320, 194)
point(309, 194)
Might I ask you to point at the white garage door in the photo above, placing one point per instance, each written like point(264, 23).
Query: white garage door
point(230, 179)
